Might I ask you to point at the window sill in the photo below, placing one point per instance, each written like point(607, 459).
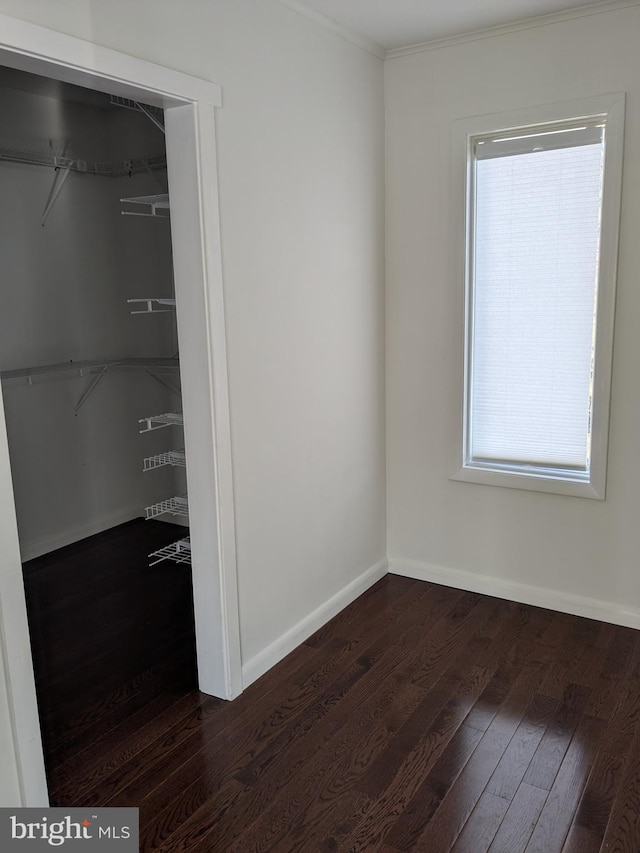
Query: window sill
point(556, 485)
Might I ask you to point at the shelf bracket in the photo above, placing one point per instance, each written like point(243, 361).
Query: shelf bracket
point(174, 389)
point(146, 111)
point(154, 114)
point(59, 178)
point(91, 387)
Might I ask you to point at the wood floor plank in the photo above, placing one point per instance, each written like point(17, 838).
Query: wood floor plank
point(522, 628)
point(492, 698)
point(548, 757)
point(518, 755)
point(417, 790)
point(322, 829)
point(383, 595)
point(448, 821)
point(483, 823)
point(424, 771)
point(613, 772)
point(520, 820)
point(581, 840)
point(71, 712)
point(111, 713)
point(117, 748)
point(336, 778)
point(622, 653)
point(555, 818)
point(623, 828)
point(384, 769)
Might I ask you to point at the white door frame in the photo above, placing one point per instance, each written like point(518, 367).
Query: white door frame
point(191, 156)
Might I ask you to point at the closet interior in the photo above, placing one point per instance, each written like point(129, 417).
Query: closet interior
point(89, 361)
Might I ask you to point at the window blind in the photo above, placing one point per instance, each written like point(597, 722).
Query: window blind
point(535, 271)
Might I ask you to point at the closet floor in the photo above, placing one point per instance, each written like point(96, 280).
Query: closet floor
point(112, 641)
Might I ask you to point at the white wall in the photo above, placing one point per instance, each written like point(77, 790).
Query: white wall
point(582, 553)
point(300, 146)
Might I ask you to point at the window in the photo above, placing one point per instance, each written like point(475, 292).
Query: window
point(542, 198)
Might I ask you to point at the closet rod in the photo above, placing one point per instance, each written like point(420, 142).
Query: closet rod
point(134, 166)
point(26, 375)
point(93, 370)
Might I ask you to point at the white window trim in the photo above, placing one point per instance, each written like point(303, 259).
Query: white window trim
point(610, 108)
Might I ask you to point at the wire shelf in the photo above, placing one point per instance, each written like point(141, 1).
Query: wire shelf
point(133, 166)
point(153, 203)
point(153, 305)
point(167, 366)
point(93, 371)
point(177, 552)
point(176, 458)
point(161, 421)
point(75, 369)
point(178, 505)
point(29, 375)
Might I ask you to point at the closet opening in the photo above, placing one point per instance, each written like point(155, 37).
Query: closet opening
point(89, 360)
point(71, 365)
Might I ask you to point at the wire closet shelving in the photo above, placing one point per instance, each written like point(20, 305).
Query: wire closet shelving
point(94, 371)
point(153, 422)
point(175, 458)
point(152, 305)
point(177, 552)
point(151, 204)
point(178, 505)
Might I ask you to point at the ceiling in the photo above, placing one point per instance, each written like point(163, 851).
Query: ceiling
point(398, 23)
point(23, 81)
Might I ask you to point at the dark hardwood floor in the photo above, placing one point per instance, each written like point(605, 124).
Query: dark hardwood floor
point(110, 636)
point(421, 718)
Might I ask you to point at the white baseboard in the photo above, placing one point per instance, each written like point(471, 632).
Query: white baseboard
point(564, 602)
point(31, 550)
point(287, 642)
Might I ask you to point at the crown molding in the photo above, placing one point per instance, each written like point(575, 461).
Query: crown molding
point(334, 27)
point(516, 26)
